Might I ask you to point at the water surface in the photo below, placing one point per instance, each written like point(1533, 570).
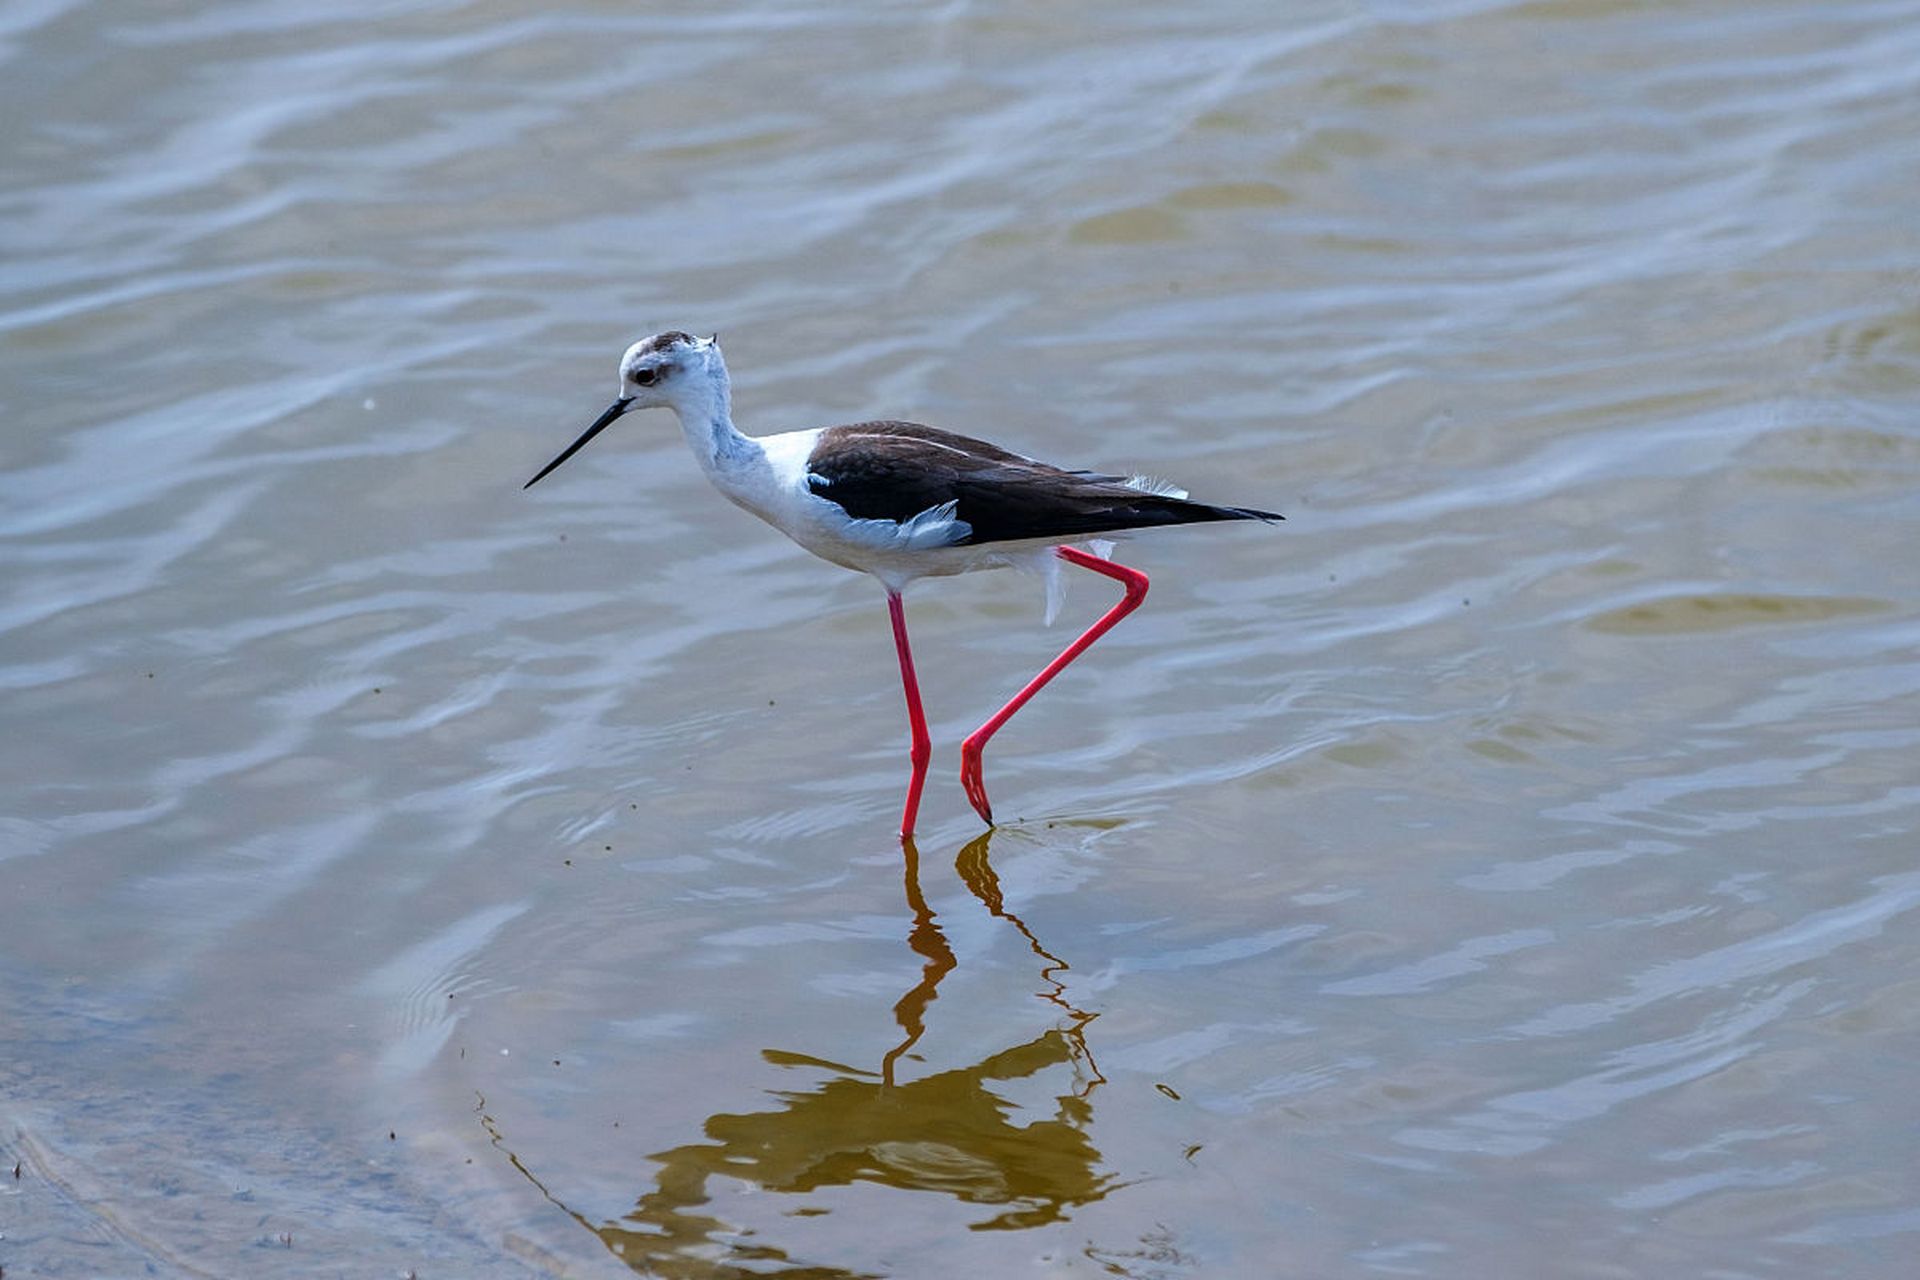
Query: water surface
point(1505, 867)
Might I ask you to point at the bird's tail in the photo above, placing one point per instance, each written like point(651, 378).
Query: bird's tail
point(1178, 501)
point(1186, 511)
point(1244, 513)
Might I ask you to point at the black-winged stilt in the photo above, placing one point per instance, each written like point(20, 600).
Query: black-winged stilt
point(901, 501)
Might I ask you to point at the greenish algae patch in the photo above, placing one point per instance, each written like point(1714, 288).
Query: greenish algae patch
point(1232, 195)
point(1146, 224)
point(1499, 752)
point(1682, 615)
point(1364, 755)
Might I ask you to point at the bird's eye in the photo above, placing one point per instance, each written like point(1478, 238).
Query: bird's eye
point(645, 377)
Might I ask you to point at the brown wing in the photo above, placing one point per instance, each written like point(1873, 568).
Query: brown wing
point(896, 470)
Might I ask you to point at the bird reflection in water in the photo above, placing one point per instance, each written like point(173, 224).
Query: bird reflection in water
point(946, 1132)
point(926, 939)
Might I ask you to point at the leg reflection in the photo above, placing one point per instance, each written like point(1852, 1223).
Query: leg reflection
point(977, 873)
point(910, 1011)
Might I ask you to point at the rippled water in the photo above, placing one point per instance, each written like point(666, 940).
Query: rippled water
point(1505, 867)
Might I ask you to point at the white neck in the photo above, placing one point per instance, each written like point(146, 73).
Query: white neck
point(704, 405)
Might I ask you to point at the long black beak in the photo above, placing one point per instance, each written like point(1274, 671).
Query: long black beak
point(600, 424)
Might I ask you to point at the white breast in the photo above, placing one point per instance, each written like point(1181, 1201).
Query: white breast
point(774, 487)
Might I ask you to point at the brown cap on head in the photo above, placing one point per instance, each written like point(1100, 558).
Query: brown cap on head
point(664, 341)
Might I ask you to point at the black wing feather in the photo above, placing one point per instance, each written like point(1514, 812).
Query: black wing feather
point(896, 470)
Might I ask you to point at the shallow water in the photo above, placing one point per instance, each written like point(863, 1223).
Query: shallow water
point(1504, 867)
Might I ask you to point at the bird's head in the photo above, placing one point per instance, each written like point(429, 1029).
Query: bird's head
point(660, 371)
point(670, 370)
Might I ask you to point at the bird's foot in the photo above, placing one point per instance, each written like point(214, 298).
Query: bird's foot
point(971, 781)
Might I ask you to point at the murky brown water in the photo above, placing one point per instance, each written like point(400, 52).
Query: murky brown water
point(1507, 867)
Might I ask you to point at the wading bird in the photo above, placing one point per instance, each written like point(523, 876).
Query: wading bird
point(901, 501)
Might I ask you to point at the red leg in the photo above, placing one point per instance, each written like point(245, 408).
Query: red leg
point(1135, 583)
point(922, 749)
